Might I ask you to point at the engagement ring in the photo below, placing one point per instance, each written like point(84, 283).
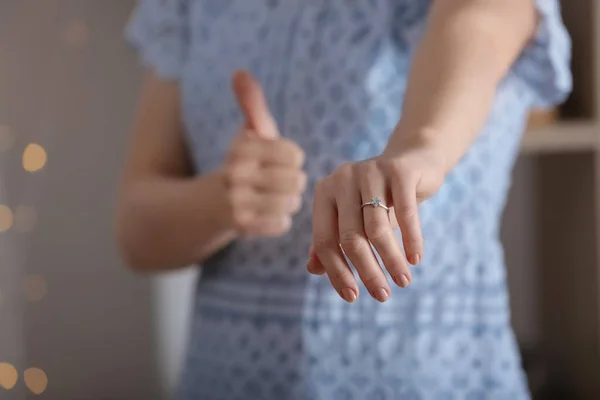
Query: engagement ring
point(376, 202)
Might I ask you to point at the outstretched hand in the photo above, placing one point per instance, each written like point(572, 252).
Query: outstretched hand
point(349, 215)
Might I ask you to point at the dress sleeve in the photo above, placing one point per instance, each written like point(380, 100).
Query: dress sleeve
point(544, 65)
point(159, 31)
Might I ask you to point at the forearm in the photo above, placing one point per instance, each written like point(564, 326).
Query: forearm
point(167, 223)
point(467, 49)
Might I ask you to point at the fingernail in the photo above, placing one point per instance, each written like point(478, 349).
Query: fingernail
point(404, 281)
point(401, 280)
point(312, 267)
point(309, 265)
point(380, 295)
point(349, 295)
point(416, 259)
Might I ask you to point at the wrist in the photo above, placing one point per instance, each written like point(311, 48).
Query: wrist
point(221, 210)
point(426, 141)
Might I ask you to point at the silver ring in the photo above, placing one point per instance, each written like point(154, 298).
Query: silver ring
point(377, 203)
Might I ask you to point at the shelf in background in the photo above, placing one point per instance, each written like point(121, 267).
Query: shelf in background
point(562, 137)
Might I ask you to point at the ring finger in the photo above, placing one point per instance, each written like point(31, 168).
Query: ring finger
point(354, 241)
point(378, 227)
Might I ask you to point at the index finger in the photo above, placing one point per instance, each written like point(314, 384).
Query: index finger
point(282, 152)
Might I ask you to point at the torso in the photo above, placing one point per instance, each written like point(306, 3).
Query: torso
point(335, 74)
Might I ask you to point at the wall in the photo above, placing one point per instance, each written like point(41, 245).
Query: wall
point(68, 83)
point(520, 236)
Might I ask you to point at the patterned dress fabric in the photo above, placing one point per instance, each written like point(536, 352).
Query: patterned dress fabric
point(335, 73)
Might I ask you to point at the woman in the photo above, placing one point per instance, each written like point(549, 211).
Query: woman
point(214, 176)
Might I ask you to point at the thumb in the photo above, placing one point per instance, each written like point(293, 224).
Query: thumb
point(253, 104)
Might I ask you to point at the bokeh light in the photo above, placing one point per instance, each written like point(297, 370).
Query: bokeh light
point(36, 380)
point(6, 218)
point(8, 376)
point(7, 139)
point(34, 157)
point(35, 288)
point(76, 34)
point(25, 218)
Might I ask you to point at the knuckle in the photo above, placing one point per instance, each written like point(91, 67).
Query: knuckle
point(321, 188)
point(284, 225)
point(234, 153)
point(412, 241)
point(240, 145)
point(384, 163)
point(302, 181)
point(343, 176)
point(294, 151)
point(243, 156)
point(299, 157)
point(286, 144)
point(236, 197)
point(365, 172)
point(352, 242)
point(400, 170)
point(344, 172)
point(405, 212)
point(234, 174)
point(295, 204)
point(228, 174)
point(369, 278)
point(369, 167)
point(241, 219)
point(341, 275)
point(232, 199)
point(399, 163)
point(268, 226)
point(377, 230)
point(323, 243)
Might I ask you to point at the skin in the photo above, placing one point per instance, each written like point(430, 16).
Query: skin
point(165, 220)
point(463, 56)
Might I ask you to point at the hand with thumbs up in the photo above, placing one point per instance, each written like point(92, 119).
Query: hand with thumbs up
point(263, 171)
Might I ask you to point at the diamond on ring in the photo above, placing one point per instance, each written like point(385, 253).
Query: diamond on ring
point(377, 203)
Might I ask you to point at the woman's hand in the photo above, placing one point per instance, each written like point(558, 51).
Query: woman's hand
point(463, 55)
point(263, 172)
point(342, 225)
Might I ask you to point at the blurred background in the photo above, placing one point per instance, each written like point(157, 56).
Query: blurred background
point(76, 324)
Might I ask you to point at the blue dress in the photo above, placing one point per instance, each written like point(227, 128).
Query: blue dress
point(335, 73)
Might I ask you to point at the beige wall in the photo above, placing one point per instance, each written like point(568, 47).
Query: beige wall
point(93, 333)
